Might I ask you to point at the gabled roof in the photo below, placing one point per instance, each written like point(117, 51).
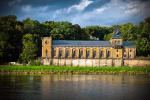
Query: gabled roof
point(117, 35)
point(81, 43)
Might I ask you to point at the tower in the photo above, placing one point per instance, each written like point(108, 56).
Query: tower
point(117, 44)
point(47, 47)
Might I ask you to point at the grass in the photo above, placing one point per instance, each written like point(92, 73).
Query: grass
point(75, 70)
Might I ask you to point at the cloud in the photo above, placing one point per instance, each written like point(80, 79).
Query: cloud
point(105, 12)
point(30, 9)
point(114, 12)
point(81, 6)
point(14, 2)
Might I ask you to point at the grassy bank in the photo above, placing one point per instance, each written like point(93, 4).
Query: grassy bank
point(72, 70)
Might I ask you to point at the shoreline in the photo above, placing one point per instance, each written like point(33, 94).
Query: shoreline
point(69, 73)
point(72, 70)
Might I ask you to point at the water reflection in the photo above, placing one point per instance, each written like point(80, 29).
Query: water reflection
point(74, 87)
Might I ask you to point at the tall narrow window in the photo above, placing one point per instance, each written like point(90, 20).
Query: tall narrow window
point(117, 56)
point(108, 54)
point(67, 53)
point(54, 54)
point(81, 53)
point(87, 54)
point(94, 53)
point(101, 54)
point(73, 53)
point(60, 53)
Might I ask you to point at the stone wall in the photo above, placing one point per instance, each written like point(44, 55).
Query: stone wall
point(83, 62)
point(96, 62)
point(135, 62)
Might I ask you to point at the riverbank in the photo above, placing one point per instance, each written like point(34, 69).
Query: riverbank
point(72, 70)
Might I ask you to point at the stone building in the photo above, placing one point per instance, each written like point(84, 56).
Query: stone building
point(87, 53)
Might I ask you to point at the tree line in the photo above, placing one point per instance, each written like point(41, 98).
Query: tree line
point(18, 39)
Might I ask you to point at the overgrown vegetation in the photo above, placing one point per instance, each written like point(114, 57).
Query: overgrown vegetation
point(67, 69)
point(12, 33)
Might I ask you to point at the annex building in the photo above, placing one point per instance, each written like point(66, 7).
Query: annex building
point(87, 53)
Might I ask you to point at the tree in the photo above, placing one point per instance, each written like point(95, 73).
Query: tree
point(129, 31)
point(29, 48)
point(143, 39)
point(10, 38)
point(98, 31)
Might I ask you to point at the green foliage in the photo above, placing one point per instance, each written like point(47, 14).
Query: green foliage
point(143, 38)
point(129, 31)
point(67, 69)
point(12, 32)
point(29, 48)
point(36, 62)
point(98, 31)
point(10, 38)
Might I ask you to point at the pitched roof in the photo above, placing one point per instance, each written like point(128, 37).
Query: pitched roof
point(129, 44)
point(81, 43)
point(117, 35)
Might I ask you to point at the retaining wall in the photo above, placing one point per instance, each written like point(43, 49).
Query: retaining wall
point(96, 62)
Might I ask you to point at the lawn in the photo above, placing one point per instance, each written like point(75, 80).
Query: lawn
point(71, 69)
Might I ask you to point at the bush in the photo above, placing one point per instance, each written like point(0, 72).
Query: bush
point(36, 62)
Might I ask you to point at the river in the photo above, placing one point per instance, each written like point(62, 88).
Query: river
point(74, 87)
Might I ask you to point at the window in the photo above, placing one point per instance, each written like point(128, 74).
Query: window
point(46, 42)
point(80, 53)
point(87, 54)
point(108, 54)
point(130, 50)
point(125, 55)
point(46, 52)
point(117, 50)
point(101, 54)
point(54, 50)
point(60, 53)
point(117, 56)
point(94, 53)
point(124, 50)
point(67, 53)
point(73, 53)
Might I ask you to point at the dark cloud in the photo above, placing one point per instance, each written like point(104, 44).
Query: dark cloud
point(14, 6)
point(83, 12)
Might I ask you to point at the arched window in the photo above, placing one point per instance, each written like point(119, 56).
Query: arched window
point(108, 54)
point(73, 53)
point(54, 52)
point(101, 54)
point(60, 53)
point(94, 53)
point(80, 53)
point(87, 54)
point(67, 53)
point(117, 56)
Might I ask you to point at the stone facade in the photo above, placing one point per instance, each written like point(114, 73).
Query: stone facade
point(87, 53)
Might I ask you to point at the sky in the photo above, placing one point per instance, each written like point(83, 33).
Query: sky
point(82, 12)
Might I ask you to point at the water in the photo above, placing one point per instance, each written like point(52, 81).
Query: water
point(74, 87)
